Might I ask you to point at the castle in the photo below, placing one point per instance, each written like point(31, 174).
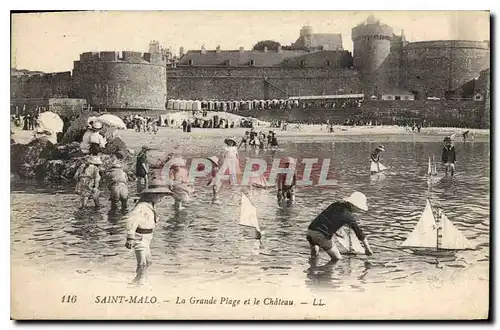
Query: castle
point(382, 64)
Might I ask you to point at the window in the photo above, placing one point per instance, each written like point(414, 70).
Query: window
point(418, 77)
point(190, 62)
point(328, 63)
point(252, 63)
point(302, 63)
point(398, 98)
point(389, 97)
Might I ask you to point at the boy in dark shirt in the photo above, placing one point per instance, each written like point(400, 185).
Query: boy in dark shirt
point(448, 156)
point(328, 222)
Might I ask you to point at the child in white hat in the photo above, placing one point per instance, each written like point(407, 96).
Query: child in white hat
point(328, 222)
point(141, 222)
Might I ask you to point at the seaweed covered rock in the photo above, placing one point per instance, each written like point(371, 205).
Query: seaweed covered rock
point(26, 158)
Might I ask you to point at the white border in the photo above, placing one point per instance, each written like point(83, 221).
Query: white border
point(195, 5)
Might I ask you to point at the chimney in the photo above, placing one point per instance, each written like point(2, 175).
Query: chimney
point(242, 49)
point(280, 50)
point(265, 49)
point(181, 51)
point(217, 49)
point(203, 50)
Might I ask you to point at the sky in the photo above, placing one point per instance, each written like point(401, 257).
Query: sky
point(50, 42)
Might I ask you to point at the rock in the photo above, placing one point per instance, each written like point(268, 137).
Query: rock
point(25, 158)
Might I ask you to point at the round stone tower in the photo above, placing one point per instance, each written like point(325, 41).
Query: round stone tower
point(372, 44)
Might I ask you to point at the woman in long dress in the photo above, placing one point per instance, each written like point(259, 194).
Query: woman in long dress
point(231, 162)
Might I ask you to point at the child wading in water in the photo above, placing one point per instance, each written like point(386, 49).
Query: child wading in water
point(88, 179)
point(141, 222)
point(448, 156)
point(231, 161)
point(375, 160)
point(179, 185)
point(214, 182)
point(286, 191)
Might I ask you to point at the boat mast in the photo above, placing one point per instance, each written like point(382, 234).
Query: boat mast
point(439, 234)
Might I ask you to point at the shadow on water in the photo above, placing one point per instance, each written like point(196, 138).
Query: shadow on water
point(206, 243)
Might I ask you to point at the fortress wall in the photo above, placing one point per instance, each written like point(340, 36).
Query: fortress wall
point(249, 83)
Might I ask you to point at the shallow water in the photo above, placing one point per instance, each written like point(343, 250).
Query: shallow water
point(205, 243)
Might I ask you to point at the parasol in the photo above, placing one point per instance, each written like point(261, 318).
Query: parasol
point(50, 122)
point(112, 121)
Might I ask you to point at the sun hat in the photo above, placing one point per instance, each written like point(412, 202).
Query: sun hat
point(117, 164)
point(96, 125)
point(146, 148)
point(358, 200)
point(230, 139)
point(447, 139)
point(381, 148)
point(157, 187)
point(214, 159)
point(289, 160)
point(96, 160)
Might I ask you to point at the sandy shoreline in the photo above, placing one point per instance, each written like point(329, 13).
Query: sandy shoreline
point(307, 133)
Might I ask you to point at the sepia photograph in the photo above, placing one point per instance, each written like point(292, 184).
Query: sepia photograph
point(250, 165)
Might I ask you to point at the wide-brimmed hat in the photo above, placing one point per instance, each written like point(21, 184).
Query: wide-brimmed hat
point(447, 139)
point(289, 160)
point(230, 139)
point(96, 125)
point(381, 148)
point(96, 160)
point(214, 159)
point(146, 148)
point(157, 187)
point(358, 200)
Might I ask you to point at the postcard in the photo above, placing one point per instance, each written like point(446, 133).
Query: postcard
point(250, 165)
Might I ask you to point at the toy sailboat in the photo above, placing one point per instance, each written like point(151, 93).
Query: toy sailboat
point(349, 243)
point(436, 238)
point(248, 216)
point(377, 168)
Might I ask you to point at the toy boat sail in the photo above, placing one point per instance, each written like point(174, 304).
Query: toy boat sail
point(431, 237)
point(248, 215)
point(377, 168)
point(349, 243)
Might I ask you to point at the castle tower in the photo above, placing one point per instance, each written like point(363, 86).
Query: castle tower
point(307, 33)
point(372, 44)
point(154, 47)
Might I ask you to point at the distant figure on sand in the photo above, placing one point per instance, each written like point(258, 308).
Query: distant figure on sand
point(448, 156)
point(286, 190)
point(179, 186)
point(142, 168)
point(328, 222)
point(118, 186)
point(375, 165)
point(88, 178)
point(141, 222)
point(245, 139)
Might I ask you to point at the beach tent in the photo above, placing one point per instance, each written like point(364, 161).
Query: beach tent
point(182, 105)
point(196, 105)
point(170, 104)
point(262, 103)
point(175, 104)
point(189, 105)
point(204, 105)
point(211, 105)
